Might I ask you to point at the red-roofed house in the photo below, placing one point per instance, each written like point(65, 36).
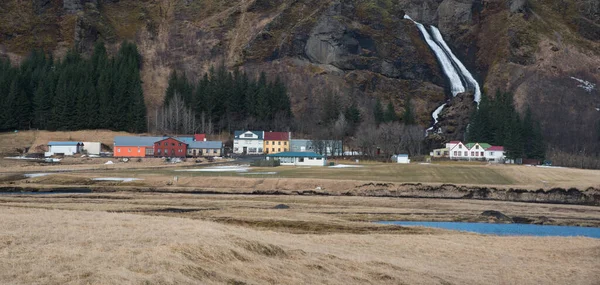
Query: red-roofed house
point(494, 153)
point(276, 142)
point(200, 137)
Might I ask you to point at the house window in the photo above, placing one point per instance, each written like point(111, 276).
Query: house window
point(172, 144)
point(459, 146)
point(466, 153)
point(278, 143)
point(179, 144)
point(267, 142)
point(491, 153)
point(472, 153)
point(166, 144)
point(158, 151)
point(318, 158)
point(129, 150)
point(301, 159)
point(284, 143)
point(118, 149)
point(214, 151)
point(455, 153)
point(247, 135)
point(482, 153)
point(477, 154)
point(273, 149)
point(279, 149)
point(476, 147)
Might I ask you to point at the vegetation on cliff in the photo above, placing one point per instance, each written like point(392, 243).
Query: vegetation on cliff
point(74, 93)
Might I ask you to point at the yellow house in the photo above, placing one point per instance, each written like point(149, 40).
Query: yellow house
point(276, 142)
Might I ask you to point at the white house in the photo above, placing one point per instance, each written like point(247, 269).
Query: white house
point(458, 151)
point(92, 147)
point(495, 154)
point(63, 148)
point(299, 158)
point(401, 158)
point(248, 142)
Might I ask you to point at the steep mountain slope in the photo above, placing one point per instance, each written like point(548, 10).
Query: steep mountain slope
point(361, 49)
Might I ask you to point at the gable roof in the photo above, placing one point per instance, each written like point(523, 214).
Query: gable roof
point(277, 136)
point(495, 148)
point(259, 134)
point(483, 145)
point(170, 138)
point(136, 141)
point(64, 143)
point(206, 144)
point(457, 146)
point(296, 154)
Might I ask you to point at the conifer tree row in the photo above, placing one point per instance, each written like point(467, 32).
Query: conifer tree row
point(74, 93)
point(229, 100)
point(497, 122)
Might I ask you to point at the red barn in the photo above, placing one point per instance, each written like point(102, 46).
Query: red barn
point(170, 147)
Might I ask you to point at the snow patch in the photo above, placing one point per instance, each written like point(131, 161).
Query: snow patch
point(109, 162)
point(258, 173)
point(586, 85)
point(346, 166)
point(34, 175)
point(228, 168)
point(21, 158)
point(116, 179)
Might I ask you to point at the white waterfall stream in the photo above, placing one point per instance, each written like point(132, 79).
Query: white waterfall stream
point(453, 68)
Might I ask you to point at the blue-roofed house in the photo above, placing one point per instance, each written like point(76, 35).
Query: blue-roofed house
point(63, 148)
point(248, 142)
point(125, 146)
point(300, 158)
point(205, 148)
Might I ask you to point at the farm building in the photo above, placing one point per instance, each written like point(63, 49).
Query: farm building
point(93, 148)
point(401, 158)
point(170, 147)
point(63, 148)
point(248, 142)
point(476, 151)
point(205, 148)
point(299, 158)
point(275, 142)
point(134, 146)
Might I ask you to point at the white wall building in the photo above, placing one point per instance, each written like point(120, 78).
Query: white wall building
point(495, 154)
point(93, 148)
point(63, 148)
point(248, 142)
point(476, 151)
point(401, 158)
point(299, 158)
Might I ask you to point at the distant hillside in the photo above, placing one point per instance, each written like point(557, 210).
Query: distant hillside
point(547, 52)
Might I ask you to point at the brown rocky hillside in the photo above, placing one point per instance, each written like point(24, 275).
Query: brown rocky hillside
point(363, 49)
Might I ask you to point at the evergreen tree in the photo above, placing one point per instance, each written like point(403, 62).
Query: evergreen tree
point(353, 117)
point(408, 118)
point(390, 114)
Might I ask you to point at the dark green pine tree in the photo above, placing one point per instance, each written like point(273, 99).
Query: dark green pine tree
point(390, 113)
point(330, 109)
point(353, 117)
point(9, 106)
point(514, 137)
point(42, 103)
point(137, 114)
point(92, 109)
point(408, 117)
point(480, 124)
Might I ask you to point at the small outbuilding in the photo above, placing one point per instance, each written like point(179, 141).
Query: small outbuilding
point(205, 148)
point(401, 158)
point(63, 148)
point(299, 158)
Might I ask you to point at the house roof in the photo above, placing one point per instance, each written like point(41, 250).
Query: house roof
point(172, 138)
point(184, 139)
point(259, 134)
point(136, 141)
point(454, 142)
point(277, 136)
point(63, 143)
point(206, 144)
point(296, 154)
point(495, 148)
point(483, 145)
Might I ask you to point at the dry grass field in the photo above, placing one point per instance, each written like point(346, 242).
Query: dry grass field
point(136, 238)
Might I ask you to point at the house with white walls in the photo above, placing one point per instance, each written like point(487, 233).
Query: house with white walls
point(475, 151)
point(248, 142)
point(299, 158)
point(63, 148)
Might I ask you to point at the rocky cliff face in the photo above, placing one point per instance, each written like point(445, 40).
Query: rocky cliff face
point(361, 49)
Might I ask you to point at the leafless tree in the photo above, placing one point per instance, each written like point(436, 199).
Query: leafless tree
point(176, 118)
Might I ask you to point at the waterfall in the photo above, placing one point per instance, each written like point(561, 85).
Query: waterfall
point(450, 65)
point(456, 85)
point(463, 70)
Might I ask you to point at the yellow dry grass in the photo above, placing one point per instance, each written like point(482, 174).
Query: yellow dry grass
point(40, 246)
